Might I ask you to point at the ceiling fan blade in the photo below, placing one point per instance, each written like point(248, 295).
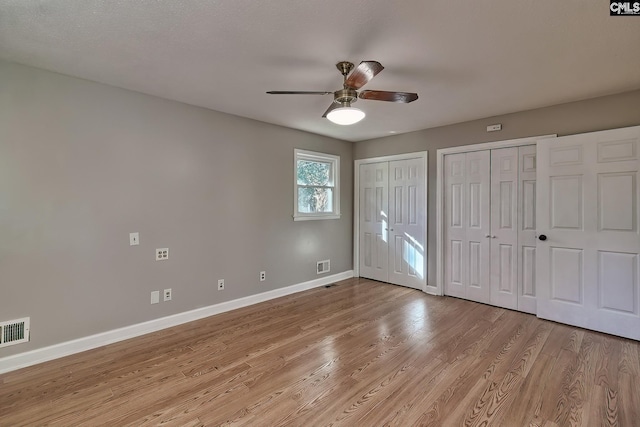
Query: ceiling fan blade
point(381, 95)
point(332, 107)
point(296, 92)
point(362, 74)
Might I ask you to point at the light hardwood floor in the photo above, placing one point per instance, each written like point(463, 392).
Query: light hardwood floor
point(360, 353)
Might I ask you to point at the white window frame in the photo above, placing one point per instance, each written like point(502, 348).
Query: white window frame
point(313, 156)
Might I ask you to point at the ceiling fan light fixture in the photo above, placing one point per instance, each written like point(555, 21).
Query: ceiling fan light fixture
point(346, 115)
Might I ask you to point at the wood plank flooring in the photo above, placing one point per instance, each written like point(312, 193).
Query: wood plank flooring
point(360, 353)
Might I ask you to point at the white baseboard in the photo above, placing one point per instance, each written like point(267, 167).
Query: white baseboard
point(33, 357)
point(433, 290)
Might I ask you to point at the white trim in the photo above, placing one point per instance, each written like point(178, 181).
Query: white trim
point(314, 156)
point(406, 156)
point(531, 140)
point(356, 206)
point(312, 217)
point(439, 289)
point(33, 357)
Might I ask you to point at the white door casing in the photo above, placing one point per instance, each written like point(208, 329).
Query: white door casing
point(588, 195)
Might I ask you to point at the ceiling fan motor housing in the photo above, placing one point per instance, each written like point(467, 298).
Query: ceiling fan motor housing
point(345, 96)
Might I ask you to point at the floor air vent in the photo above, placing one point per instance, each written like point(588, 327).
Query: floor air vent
point(14, 332)
point(323, 266)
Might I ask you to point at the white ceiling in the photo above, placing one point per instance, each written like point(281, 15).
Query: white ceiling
point(466, 59)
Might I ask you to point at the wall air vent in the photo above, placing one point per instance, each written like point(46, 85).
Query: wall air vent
point(14, 332)
point(323, 266)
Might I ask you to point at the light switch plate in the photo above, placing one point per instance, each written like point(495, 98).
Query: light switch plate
point(155, 297)
point(134, 239)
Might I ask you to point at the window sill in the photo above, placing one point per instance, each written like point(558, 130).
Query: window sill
point(315, 217)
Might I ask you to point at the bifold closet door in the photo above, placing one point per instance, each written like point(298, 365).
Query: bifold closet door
point(504, 227)
point(407, 219)
point(513, 228)
point(467, 225)
point(374, 221)
point(490, 244)
point(527, 229)
point(589, 238)
point(392, 220)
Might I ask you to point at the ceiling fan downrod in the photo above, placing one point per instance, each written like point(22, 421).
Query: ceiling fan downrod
point(345, 96)
point(345, 68)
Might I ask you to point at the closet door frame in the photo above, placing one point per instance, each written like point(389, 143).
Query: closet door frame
point(438, 289)
point(356, 206)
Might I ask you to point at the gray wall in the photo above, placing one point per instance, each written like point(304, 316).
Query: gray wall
point(607, 112)
point(83, 164)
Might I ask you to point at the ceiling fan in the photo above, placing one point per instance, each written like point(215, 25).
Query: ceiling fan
point(340, 111)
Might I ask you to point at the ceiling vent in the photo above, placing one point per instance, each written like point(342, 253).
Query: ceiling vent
point(14, 332)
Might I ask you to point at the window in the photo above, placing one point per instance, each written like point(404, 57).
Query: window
point(317, 186)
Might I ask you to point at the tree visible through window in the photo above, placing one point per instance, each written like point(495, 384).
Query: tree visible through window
point(316, 187)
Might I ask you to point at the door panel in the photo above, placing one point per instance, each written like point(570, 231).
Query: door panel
point(617, 204)
point(587, 268)
point(617, 275)
point(566, 275)
point(566, 202)
point(373, 213)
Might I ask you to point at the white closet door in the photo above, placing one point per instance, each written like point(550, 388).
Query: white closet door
point(527, 229)
point(467, 225)
point(407, 261)
point(478, 224)
point(455, 251)
point(588, 197)
point(504, 227)
point(374, 221)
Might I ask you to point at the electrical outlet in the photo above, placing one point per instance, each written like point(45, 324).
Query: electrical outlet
point(162, 254)
point(220, 284)
point(134, 239)
point(263, 276)
point(155, 297)
point(167, 294)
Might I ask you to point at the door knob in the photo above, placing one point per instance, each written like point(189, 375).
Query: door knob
point(487, 236)
point(493, 237)
point(542, 237)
